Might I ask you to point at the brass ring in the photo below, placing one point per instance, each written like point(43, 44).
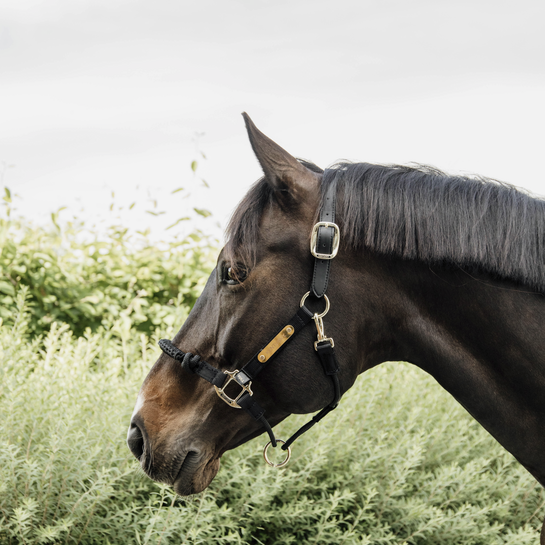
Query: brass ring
point(326, 304)
point(281, 464)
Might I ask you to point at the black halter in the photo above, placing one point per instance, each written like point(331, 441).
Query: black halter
point(324, 244)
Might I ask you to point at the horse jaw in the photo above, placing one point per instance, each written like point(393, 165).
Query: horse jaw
point(188, 470)
point(195, 475)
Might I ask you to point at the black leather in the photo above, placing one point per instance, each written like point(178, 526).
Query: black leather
point(326, 353)
point(194, 364)
point(254, 409)
point(324, 243)
point(251, 406)
point(298, 321)
point(218, 378)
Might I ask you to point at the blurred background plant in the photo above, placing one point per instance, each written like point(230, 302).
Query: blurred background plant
point(88, 277)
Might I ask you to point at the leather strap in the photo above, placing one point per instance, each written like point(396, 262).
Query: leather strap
point(298, 321)
point(329, 363)
point(327, 357)
point(324, 243)
point(194, 364)
point(217, 378)
point(248, 372)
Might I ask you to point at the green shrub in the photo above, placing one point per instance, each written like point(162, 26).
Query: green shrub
point(85, 280)
point(398, 462)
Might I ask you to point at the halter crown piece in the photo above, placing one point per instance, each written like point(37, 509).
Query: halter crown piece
point(325, 240)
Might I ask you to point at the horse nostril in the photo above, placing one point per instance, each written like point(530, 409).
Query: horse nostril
point(135, 440)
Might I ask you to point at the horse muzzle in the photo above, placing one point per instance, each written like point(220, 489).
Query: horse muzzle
point(188, 470)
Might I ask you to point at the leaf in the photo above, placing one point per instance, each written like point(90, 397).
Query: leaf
point(194, 166)
point(41, 255)
point(7, 288)
point(132, 206)
point(204, 183)
point(203, 212)
point(54, 217)
point(176, 190)
point(154, 213)
point(176, 222)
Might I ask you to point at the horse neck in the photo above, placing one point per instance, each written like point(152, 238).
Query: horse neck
point(482, 340)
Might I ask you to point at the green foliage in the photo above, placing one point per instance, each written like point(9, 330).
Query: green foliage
point(398, 462)
point(79, 278)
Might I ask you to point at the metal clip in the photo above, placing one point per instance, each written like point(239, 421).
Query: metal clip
point(320, 332)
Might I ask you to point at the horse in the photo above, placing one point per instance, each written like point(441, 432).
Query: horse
point(445, 272)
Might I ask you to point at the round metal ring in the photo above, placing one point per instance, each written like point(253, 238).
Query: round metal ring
point(326, 304)
point(283, 462)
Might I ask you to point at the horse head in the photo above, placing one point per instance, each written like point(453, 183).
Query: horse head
point(180, 426)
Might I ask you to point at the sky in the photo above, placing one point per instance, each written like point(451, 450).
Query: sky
point(105, 103)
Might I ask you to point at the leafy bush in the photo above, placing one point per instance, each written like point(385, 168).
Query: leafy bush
point(85, 280)
point(398, 462)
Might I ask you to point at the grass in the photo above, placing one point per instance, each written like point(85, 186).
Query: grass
point(398, 462)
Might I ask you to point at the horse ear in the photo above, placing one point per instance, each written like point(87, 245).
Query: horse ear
point(283, 171)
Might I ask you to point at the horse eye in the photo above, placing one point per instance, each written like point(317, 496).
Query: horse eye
point(235, 275)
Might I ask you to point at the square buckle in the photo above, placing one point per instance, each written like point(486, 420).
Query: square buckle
point(314, 240)
point(245, 388)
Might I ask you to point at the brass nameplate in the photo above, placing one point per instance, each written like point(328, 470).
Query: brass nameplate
point(275, 344)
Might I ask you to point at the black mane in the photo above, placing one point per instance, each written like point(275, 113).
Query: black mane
point(421, 213)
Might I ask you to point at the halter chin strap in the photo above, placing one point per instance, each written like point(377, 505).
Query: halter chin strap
point(325, 239)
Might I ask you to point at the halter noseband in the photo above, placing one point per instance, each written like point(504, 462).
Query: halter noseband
point(325, 239)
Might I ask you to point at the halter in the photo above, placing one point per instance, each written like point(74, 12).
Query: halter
point(324, 244)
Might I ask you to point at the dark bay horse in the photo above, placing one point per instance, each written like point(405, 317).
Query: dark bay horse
point(446, 272)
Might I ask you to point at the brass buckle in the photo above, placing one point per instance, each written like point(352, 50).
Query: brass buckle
point(314, 239)
point(245, 388)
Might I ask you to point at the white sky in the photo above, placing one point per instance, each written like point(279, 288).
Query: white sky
point(107, 95)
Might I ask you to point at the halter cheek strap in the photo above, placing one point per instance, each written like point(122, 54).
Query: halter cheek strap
point(325, 238)
point(324, 243)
